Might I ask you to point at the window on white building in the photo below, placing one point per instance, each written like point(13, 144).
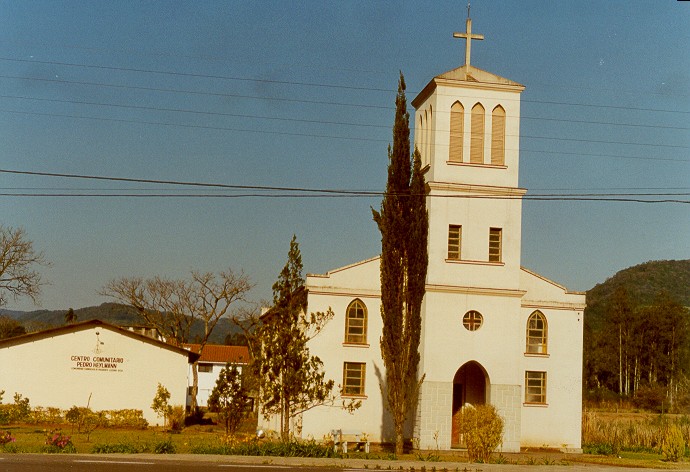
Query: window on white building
point(535, 387)
point(477, 135)
point(354, 374)
point(472, 320)
point(498, 136)
point(537, 332)
point(457, 124)
point(356, 323)
point(495, 251)
point(454, 242)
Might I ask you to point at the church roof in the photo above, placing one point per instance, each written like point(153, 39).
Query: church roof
point(467, 76)
point(89, 324)
point(474, 74)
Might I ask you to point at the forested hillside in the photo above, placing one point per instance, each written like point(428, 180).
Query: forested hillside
point(637, 335)
point(114, 313)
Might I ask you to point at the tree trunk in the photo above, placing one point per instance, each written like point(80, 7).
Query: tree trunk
point(620, 360)
point(193, 406)
point(399, 441)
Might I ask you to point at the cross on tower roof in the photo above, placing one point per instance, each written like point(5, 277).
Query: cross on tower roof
point(467, 35)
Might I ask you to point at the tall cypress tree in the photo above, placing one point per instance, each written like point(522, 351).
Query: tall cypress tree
point(404, 225)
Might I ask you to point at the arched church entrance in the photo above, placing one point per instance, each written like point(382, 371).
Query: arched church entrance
point(470, 386)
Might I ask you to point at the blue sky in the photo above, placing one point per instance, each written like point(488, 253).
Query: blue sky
point(300, 94)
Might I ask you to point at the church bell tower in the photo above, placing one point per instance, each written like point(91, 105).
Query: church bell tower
point(467, 125)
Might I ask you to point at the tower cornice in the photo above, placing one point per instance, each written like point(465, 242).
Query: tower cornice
point(489, 190)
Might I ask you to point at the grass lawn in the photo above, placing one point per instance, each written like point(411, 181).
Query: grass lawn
point(32, 438)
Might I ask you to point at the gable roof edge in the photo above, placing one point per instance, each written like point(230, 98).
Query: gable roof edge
point(83, 325)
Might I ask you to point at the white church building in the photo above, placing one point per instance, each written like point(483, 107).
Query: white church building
point(492, 331)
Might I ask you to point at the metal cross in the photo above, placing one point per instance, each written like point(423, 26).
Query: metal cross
point(467, 35)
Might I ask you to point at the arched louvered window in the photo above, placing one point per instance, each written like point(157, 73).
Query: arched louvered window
point(477, 135)
point(356, 323)
point(537, 333)
point(457, 123)
point(429, 134)
point(419, 138)
point(498, 136)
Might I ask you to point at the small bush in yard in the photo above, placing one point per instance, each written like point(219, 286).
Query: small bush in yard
point(673, 444)
point(6, 438)
point(176, 418)
point(482, 430)
point(165, 447)
point(120, 448)
point(250, 446)
point(57, 442)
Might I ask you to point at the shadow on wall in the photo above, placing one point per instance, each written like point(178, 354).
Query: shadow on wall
point(387, 425)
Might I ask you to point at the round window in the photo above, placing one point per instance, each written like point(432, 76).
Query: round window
point(472, 320)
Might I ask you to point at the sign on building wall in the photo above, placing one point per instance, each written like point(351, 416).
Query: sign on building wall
point(107, 364)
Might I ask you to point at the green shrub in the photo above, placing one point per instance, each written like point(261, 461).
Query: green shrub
point(50, 415)
point(160, 404)
point(651, 399)
point(5, 414)
point(603, 449)
point(165, 447)
point(6, 438)
point(127, 418)
point(482, 430)
point(120, 448)
point(176, 418)
point(673, 444)
point(57, 442)
point(19, 411)
point(252, 447)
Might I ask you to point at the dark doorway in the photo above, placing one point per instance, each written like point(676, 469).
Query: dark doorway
point(469, 388)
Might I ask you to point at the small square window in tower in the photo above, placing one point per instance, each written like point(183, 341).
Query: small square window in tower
point(495, 237)
point(454, 242)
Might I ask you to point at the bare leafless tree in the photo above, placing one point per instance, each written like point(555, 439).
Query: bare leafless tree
point(18, 262)
point(173, 306)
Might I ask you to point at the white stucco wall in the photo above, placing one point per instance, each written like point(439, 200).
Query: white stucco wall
point(335, 291)
point(66, 370)
point(206, 382)
point(558, 423)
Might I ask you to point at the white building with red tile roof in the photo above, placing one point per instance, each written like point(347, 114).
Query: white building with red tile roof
point(214, 358)
point(93, 363)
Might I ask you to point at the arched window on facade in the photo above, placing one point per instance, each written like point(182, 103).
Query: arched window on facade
point(537, 333)
point(457, 123)
point(498, 136)
point(429, 134)
point(356, 323)
point(477, 135)
point(419, 139)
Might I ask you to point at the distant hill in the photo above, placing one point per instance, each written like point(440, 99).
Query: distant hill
point(114, 313)
point(617, 354)
point(643, 282)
